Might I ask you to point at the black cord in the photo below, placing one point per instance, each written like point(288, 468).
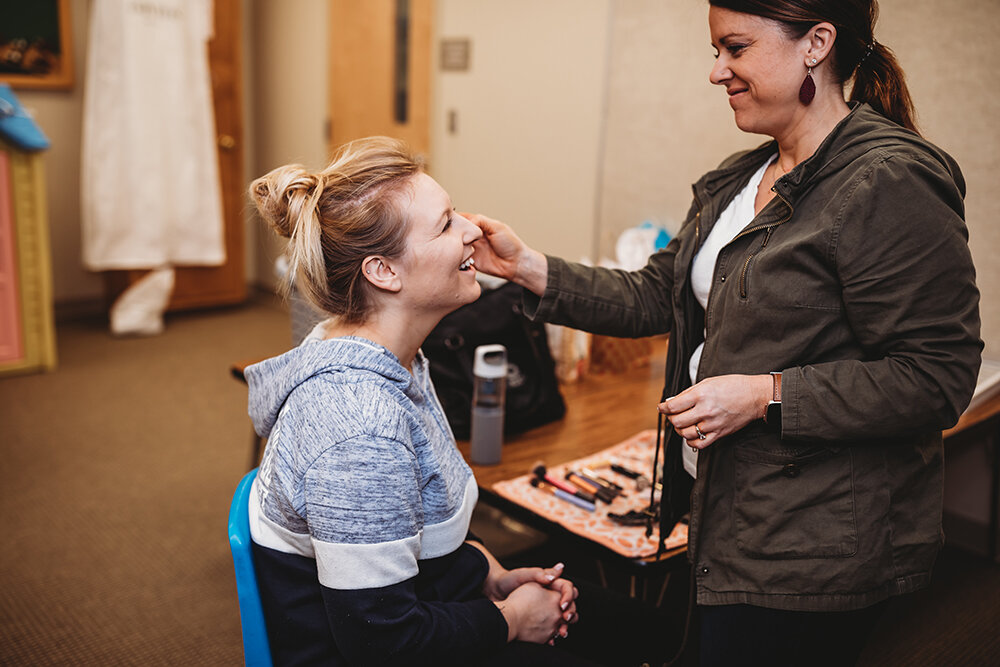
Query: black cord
point(662, 538)
point(661, 545)
point(651, 512)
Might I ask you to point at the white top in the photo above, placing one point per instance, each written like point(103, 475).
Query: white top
point(731, 222)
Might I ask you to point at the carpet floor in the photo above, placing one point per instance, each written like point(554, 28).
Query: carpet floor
point(118, 469)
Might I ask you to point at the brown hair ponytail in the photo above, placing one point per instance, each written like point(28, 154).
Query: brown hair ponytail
point(878, 78)
point(879, 81)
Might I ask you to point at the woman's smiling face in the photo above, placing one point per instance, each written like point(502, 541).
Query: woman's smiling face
point(761, 68)
point(438, 274)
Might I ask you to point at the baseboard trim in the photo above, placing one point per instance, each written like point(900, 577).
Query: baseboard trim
point(80, 309)
point(95, 308)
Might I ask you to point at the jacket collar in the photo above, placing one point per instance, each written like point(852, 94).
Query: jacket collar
point(741, 166)
point(860, 122)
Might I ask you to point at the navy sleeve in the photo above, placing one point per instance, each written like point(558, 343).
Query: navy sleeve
point(436, 617)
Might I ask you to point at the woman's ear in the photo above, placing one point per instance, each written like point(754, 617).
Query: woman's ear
point(380, 273)
point(820, 40)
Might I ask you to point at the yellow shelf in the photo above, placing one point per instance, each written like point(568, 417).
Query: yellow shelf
point(33, 262)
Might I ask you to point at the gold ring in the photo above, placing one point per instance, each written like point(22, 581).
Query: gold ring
point(701, 436)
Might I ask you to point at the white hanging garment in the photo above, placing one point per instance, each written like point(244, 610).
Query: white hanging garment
point(150, 188)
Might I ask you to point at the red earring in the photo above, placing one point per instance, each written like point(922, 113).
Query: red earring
point(807, 91)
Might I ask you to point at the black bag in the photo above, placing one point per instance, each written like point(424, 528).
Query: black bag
point(533, 396)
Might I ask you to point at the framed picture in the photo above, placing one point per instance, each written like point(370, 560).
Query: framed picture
point(36, 48)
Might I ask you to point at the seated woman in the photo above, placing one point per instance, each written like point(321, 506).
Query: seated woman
point(360, 513)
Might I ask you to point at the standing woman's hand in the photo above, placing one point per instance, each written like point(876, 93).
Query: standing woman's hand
point(717, 406)
point(501, 252)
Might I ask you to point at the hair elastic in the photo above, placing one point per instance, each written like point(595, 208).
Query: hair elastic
point(868, 52)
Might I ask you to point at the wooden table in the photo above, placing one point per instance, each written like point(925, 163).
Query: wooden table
point(985, 414)
point(601, 411)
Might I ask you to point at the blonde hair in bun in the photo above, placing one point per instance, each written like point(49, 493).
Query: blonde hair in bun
point(336, 218)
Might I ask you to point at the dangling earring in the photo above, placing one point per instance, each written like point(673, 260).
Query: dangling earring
point(807, 91)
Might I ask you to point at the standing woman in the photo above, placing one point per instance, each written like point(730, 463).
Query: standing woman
point(360, 514)
point(824, 328)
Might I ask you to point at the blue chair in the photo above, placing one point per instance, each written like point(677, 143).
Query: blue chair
point(256, 649)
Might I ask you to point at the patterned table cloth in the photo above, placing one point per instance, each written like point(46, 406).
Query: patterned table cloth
point(635, 453)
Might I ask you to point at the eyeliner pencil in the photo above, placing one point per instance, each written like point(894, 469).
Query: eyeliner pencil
point(541, 484)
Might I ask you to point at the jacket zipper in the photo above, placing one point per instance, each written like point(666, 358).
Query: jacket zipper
point(746, 264)
point(767, 237)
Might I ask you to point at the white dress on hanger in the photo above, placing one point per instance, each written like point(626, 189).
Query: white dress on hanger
point(151, 195)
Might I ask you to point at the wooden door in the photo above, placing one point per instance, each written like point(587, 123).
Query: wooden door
point(204, 286)
point(375, 87)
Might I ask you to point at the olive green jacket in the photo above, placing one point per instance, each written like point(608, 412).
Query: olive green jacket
point(856, 282)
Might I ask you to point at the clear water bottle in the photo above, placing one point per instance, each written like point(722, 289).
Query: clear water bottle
point(488, 397)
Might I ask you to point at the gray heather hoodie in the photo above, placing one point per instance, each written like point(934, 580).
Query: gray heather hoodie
point(360, 464)
point(362, 481)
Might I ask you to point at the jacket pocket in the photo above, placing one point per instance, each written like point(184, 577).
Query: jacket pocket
point(793, 502)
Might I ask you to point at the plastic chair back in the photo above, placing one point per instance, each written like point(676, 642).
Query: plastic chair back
point(256, 649)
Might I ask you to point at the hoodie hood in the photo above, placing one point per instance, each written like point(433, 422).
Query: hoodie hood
point(272, 381)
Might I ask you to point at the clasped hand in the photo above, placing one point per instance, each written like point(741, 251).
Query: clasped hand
point(539, 605)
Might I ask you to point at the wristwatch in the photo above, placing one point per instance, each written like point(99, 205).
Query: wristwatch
point(773, 414)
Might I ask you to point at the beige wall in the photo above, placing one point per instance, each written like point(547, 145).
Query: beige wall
point(940, 46)
point(529, 116)
point(578, 119)
point(667, 125)
point(289, 99)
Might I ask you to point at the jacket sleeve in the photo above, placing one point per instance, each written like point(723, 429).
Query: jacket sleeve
point(611, 302)
point(900, 246)
point(364, 510)
point(392, 625)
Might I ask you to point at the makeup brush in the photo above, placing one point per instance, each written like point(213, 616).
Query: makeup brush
point(540, 473)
